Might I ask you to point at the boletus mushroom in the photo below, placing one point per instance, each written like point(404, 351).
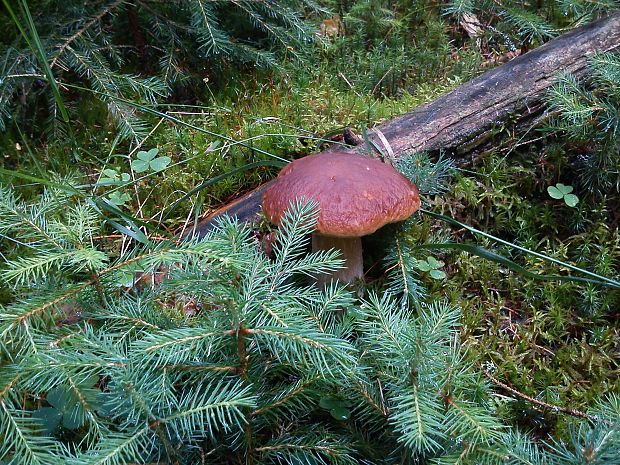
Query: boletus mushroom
point(356, 196)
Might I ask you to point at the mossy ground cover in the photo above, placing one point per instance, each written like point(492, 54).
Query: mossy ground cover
point(553, 341)
point(264, 117)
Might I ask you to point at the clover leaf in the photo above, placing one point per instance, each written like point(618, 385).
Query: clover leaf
point(432, 265)
point(340, 413)
point(49, 418)
point(119, 198)
point(562, 191)
point(111, 176)
point(149, 160)
point(160, 163)
point(67, 405)
point(339, 409)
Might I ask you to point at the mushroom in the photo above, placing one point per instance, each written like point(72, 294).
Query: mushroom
point(356, 195)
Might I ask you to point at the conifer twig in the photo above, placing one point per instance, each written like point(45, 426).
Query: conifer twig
point(82, 30)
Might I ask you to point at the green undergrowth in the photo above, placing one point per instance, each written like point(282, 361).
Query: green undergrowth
point(275, 121)
point(213, 350)
point(217, 122)
point(554, 341)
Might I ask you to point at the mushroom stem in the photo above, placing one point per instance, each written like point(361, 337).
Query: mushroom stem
point(351, 252)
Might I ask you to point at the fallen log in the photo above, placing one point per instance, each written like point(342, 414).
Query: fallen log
point(466, 118)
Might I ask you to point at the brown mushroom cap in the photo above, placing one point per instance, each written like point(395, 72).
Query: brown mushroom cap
point(357, 195)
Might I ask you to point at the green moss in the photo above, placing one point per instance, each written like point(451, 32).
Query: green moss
point(555, 342)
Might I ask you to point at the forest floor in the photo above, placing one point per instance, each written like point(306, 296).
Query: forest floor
point(555, 342)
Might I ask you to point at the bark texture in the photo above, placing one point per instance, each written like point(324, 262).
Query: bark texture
point(470, 115)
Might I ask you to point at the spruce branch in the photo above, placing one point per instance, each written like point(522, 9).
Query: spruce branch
point(459, 8)
point(322, 449)
point(309, 347)
point(402, 280)
point(22, 441)
point(36, 307)
point(23, 270)
point(430, 177)
point(472, 422)
point(87, 43)
point(213, 40)
point(107, 9)
point(259, 372)
point(416, 414)
point(589, 444)
point(119, 448)
point(181, 346)
point(210, 408)
point(529, 26)
point(26, 222)
point(288, 398)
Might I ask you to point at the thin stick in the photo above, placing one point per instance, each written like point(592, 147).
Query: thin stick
point(540, 403)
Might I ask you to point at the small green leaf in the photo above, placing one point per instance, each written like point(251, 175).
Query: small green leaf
point(554, 192)
point(48, 417)
point(110, 173)
point(119, 198)
point(139, 166)
point(160, 163)
point(59, 396)
point(571, 200)
point(329, 403)
point(340, 413)
point(437, 274)
point(423, 265)
point(73, 419)
point(109, 177)
point(112, 178)
point(148, 156)
point(434, 263)
point(564, 189)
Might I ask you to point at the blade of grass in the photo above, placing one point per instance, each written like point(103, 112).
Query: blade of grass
point(197, 208)
point(102, 205)
point(371, 144)
point(34, 42)
point(600, 279)
point(507, 263)
point(45, 182)
point(131, 231)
